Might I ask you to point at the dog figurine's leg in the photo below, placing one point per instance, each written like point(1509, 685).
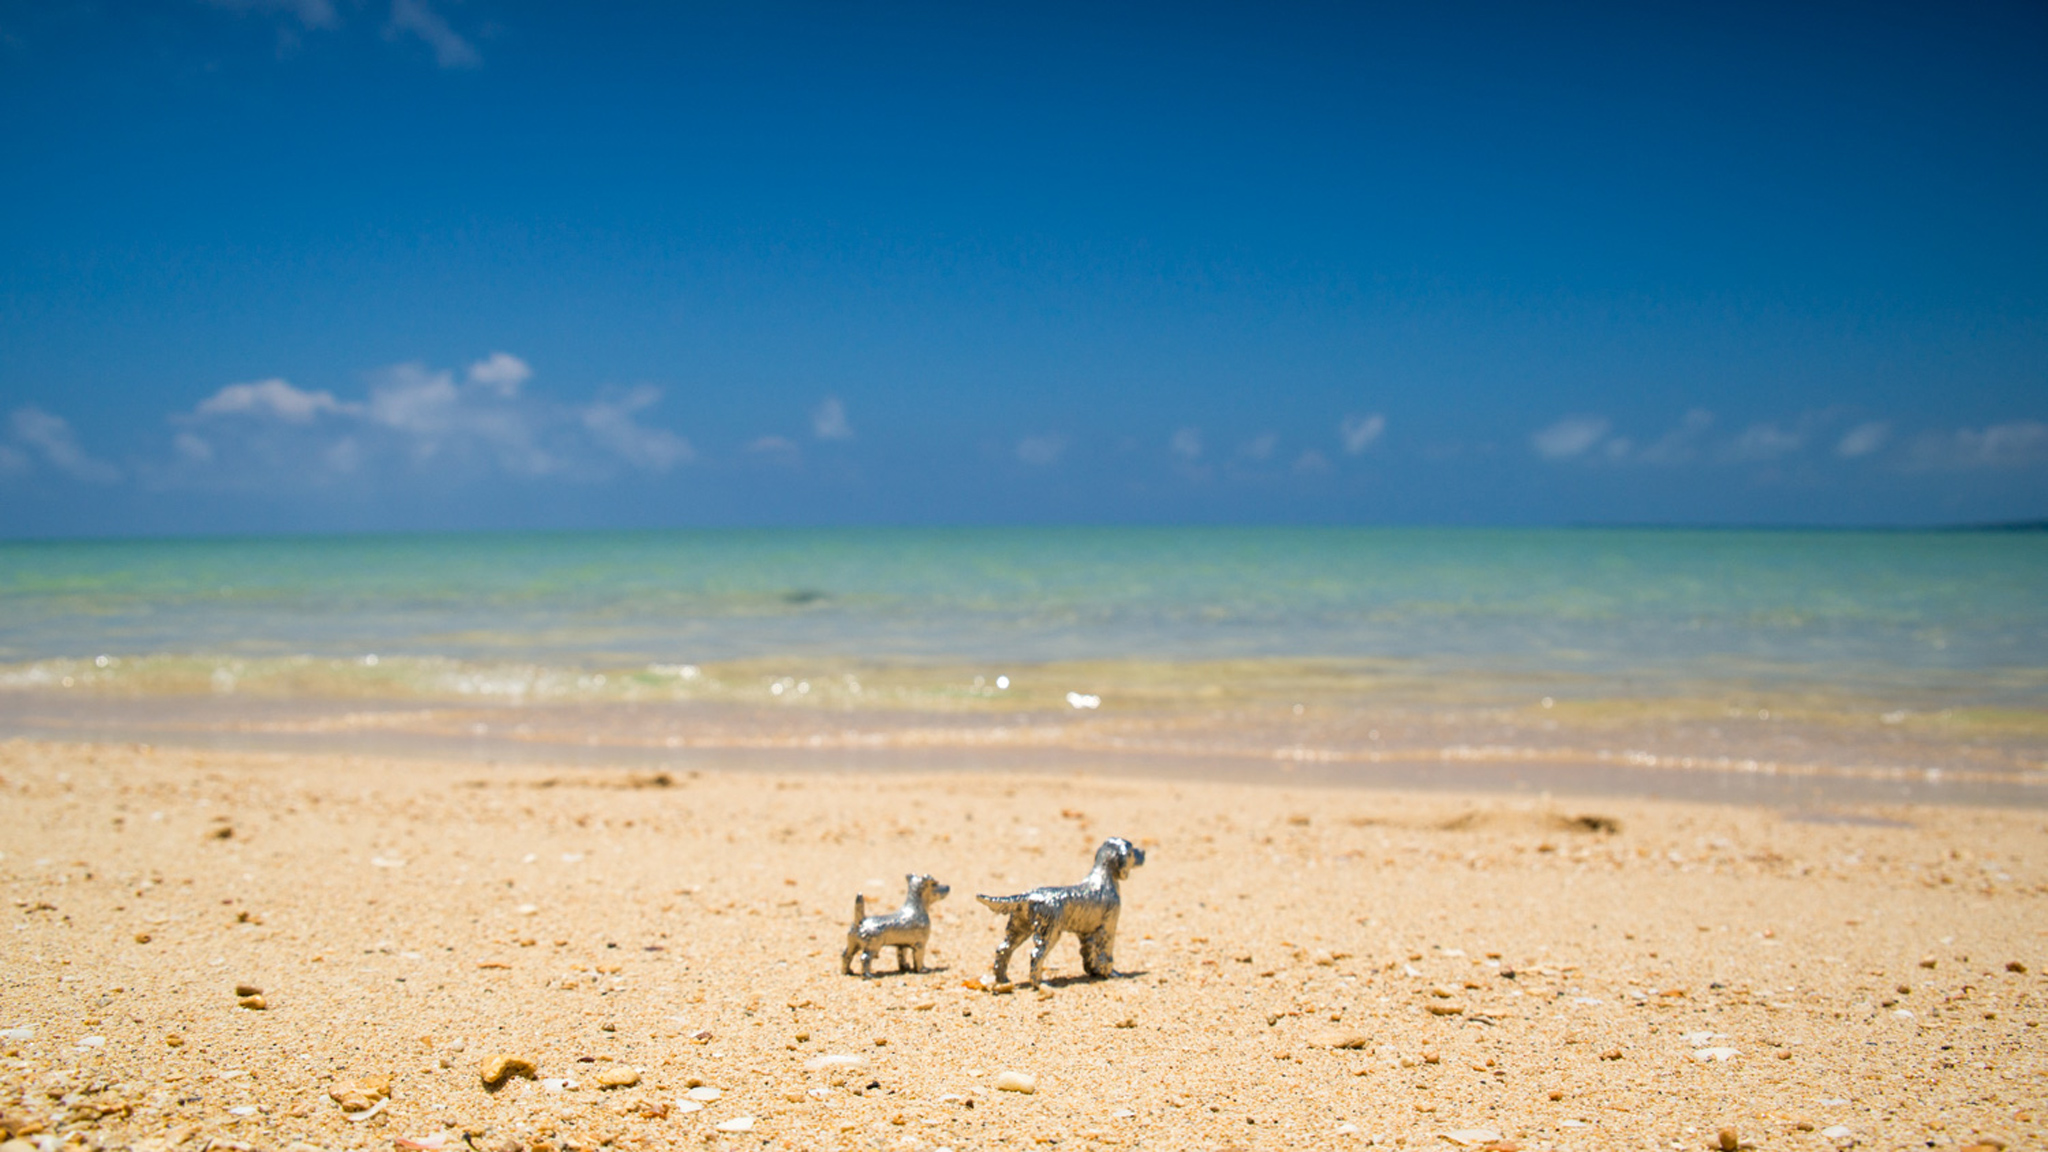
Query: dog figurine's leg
point(1039, 948)
point(1013, 935)
point(854, 943)
point(1095, 952)
point(917, 957)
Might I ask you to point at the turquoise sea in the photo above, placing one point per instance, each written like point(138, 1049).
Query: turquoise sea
point(1919, 655)
point(1884, 610)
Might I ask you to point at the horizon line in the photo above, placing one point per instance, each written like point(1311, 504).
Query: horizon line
point(2004, 527)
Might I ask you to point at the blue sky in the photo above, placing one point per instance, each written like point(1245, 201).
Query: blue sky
point(397, 264)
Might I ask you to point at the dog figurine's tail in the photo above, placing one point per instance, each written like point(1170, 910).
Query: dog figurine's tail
point(1003, 904)
point(860, 909)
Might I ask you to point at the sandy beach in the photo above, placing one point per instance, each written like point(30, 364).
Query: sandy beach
point(1298, 966)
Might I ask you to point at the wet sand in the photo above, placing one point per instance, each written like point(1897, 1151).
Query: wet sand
point(1795, 751)
point(1299, 965)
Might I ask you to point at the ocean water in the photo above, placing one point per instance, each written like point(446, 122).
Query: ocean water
point(1882, 610)
point(1885, 656)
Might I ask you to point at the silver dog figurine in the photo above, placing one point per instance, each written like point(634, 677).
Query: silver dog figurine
point(906, 929)
point(1088, 910)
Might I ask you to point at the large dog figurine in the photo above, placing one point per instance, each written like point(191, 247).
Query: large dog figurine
point(906, 929)
point(1088, 910)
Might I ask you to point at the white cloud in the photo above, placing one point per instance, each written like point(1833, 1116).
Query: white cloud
point(412, 398)
point(828, 420)
point(1259, 447)
point(483, 421)
point(1041, 450)
point(344, 455)
point(272, 397)
point(1186, 443)
point(192, 448)
point(311, 13)
point(1863, 439)
point(780, 449)
point(1764, 442)
point(612, 424)
point(501, 371)
point(1311, 463)
point(428, 407)
point(13, 461)
point(1681, 444)
point(51, 435)
point(1358, 432)
point(1569, 437)
point(419, 18)
point(2014, 444)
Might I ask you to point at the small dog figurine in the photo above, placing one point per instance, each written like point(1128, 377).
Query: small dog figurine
point(906, 929)
point(1088, 910)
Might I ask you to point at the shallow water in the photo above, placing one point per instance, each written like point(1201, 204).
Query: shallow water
point(1822, 655)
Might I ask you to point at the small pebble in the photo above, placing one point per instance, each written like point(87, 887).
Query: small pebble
point(704, 1094)
point(253, 1003)
point(617, 1076)
point(2015, 966)
point(1340, 1040)
point(1446, 1008)
point(1024, 1082)
point(248, 990)
point(498, 1069)
point(1611, 1054)
point(363, 1097)
point(1837, 1132)
point(737, 1124)
point(1471, 1136)
point(142, 937)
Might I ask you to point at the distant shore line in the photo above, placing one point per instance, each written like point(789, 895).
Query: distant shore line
point(1960, 528)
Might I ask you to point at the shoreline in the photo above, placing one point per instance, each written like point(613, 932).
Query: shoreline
point(1646, 748)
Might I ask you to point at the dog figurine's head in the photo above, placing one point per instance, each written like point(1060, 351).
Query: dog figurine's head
point(927, 889)
point(1119, 856)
